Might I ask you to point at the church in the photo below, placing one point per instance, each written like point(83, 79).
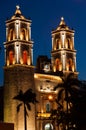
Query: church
point(20, 74)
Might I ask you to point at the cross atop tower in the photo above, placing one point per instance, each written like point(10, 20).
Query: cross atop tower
point(17, 7)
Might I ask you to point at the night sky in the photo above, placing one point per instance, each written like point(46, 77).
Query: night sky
point(45, 16)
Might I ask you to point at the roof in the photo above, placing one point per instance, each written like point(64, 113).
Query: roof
point(18, 13)
point(18, 16)
point(62, 26)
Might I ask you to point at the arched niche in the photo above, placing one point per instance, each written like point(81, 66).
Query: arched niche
point(70, 65)
point(23, 34)
point(58, 44)
point(58, 64)
point(11, 57)
point(25, 56)
point(68, 44)
point(11, 35)
point(48, 107)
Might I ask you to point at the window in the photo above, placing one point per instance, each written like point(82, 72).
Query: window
point(48, 107)
point(58, 64)
point(11, 35)
point(23, 34)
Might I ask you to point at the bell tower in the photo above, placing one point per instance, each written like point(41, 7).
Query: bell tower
point(63, 53)
point(18, 69)
point(19, 47)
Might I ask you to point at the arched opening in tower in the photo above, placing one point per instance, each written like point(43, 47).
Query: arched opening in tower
point(23, 34)
point(25, 57)
point(11, 57)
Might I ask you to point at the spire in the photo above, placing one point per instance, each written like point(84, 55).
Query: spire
point(18, 13)
point(17, 10)
point(62, 25)
point(62, 22)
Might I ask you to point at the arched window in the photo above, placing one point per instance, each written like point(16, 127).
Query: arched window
point(71, 45)
point(25, 57)
point(11, 57)
point(69, 64)
point(57, 44)
point(58, 64)
point(48, 108)
point(68, 42)
point(11, 35)
point(23, 34)
point(27, 35)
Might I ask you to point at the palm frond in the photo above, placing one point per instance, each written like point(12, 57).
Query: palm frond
point(28, 106)
point(18, 107)
point(59, 85)
point(60, 94)
point(59, 105)
point(19, 96)
point(27, 113)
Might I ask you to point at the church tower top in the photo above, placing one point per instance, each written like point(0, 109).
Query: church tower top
point(18, 45)
point(63, 52)
point(62, 26)
point(62, 22)
point(18, 13)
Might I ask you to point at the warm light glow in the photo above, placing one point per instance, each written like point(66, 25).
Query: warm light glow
point(50, 97)
point(28, 60)
point(7, 62)
point(73, 67)
point(43, 115)
point(13, 61)
point(54, 47)
point(67, 67)
point(35, 76)
point(54, 68)
point(60, 67)
point(66, 45)
point(23, 34)
point(21, 60)
point(50, 77)
point(11, 57)
point(27, 35)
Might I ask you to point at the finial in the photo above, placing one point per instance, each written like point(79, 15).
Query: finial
point(17, 7)
point(62, 18)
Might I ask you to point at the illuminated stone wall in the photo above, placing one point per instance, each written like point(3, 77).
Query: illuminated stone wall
point(17, 78)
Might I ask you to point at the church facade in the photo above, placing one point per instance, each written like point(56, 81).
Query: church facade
point(20, 74)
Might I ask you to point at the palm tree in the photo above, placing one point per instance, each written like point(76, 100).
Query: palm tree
point(66, 89)
point(78, 112)
point(26, 98)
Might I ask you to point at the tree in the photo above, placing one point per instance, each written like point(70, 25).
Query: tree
point(26, 99)
point(78, 112)
point(66, 90)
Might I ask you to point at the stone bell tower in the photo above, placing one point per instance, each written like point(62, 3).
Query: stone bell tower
point(63, 53)
point(18, 69)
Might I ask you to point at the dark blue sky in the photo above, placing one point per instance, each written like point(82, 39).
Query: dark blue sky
point(45, 16)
